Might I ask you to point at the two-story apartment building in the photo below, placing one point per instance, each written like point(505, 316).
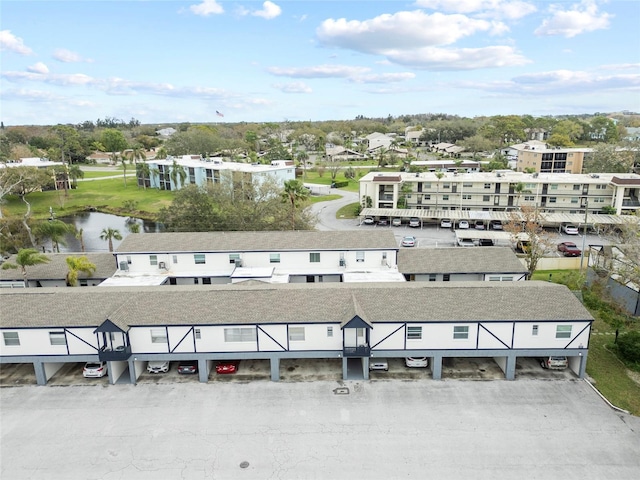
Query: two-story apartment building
point(200, 171)
point(356, 323)
point(503, 190)
point(188, 258)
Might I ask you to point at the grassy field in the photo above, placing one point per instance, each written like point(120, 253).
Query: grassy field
point(313, 177)
point(103, 195)
point(612, 378)
point(348, 211)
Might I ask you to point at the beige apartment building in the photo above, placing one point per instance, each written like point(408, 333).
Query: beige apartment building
point(501, 191)
point(550, 160)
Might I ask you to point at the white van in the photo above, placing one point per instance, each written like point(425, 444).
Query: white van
point(379, 364)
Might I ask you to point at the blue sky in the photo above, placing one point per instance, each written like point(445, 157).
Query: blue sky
point(255, 61)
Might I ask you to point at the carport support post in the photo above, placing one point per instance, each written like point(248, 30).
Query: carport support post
point(132, 372)
point(345, 368)
point(203, 370)
point(583, 365)
point(436, 367)
point(41, 376)
point(275, 369)
point(510, 368)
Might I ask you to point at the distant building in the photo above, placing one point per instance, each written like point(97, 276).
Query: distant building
point(551, 160)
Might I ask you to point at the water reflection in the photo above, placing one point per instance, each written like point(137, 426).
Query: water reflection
point(92, 224)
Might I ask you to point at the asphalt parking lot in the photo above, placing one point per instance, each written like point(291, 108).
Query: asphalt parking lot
point(295, 370)
point(317, 430)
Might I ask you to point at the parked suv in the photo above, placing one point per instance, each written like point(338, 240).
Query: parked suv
point(554, 363)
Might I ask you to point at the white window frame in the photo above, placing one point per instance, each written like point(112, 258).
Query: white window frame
point(314, 257)
point(197, 333)
point(234, 257)
point(153, 260)
point(563, 331)
point(274, 258)
point(534, 330)
point(199, 258)
point(240, 334)
point(329, 331)
point(11, 339)
point(296, 334)
point(159, 335)
point(360, 256)
point(57, 338)
point(461, 332)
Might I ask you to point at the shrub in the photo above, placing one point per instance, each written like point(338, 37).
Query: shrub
point(629, 346)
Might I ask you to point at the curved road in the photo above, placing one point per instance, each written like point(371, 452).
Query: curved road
point(325, 212)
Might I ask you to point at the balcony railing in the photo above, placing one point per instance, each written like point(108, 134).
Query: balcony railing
point(120, 353)
point(360, 351)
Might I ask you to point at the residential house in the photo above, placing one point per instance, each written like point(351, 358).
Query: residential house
point(354, 324)
point(378, 140)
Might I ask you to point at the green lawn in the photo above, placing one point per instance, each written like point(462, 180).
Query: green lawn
point(348, 211)
point(104, 195)
point(612, 378)
point(313, 177)
point(109, 173)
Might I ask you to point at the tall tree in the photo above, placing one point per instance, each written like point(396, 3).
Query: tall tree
point(294, 194)
point(178, 175)
point(113, 140)
point(26, 257)
point(109, 234)
point(76, 266)
point(54, 230)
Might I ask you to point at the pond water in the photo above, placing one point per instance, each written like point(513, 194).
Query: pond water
point(92, 224)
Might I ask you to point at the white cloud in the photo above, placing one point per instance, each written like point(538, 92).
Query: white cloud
point(206, 8)
point(11, 43)
point(294, 87)
point(458, 58)
point(269, 10)
point(38, 68)
point(318, 71)
point(67, 56)
point(383, 77)
point(582, 17)
point(401, 30)
point(510, 9)
point(51, 78)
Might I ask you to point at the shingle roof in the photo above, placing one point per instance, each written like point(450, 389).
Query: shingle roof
point(57, 268)
point(290, 303)
point(459, 260)
point(257, 241)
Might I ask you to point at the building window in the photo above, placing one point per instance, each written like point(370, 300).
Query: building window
point(486, 198)
point(57, 338)
point(240, 334)
point(529, 198)
point(153, 260)
point(467, 185)
point(552, 199)
point(359, 256)
point(234, 257)
point(314, 257)
point(553, 186)
point(487, 185)
point(563, 331)
point(445, 197)
point(199, 258)
point(197, 333)
point(158, 335)
point(427, 197)
point(206, 280)
point(574, 199)
point(432, 277)
point(11, 339)
point(460, 333)
point(577, 187)
point(534, 330)
point(467, 197)
point(175, 259)
point(329, 331)
point(128, 259)
point(274, 258)
point(446, 185)
point(446, 277)
point(414, 333)
point(296, 334)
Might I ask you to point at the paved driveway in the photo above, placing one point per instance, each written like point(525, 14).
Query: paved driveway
point(384, 429)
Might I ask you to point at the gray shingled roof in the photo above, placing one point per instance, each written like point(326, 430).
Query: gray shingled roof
point(57, 268)
point(257, 241)
point(290, 303)
point(459, 260)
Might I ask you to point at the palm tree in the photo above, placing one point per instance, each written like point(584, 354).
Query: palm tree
point(161, 153)
point(302, 157)
point(520, 189)
point(177, 173)
point(123, 160)
point(27, 257)
point(79, 236)
point(55, 230)
point(110, 234)
point(294, 193)
point(77, 265)
point(439, 175)
point(144, 171)
point(75, 172)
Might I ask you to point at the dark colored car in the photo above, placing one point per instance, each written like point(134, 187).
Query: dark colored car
point(569, 249)
point(227, 367)
point(383, 221)
point(188, 366)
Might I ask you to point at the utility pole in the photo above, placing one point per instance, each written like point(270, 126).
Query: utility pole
point(584, 234)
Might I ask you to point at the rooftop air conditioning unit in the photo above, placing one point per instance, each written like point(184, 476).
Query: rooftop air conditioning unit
point(162, 265)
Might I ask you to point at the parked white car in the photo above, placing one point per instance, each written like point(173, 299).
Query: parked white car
point(463, 224)
point(94, 369)
point(158, 367)
point(570, 229)
point(416, 362)
point(445, 223)
point(554, 363)
point(379, 364)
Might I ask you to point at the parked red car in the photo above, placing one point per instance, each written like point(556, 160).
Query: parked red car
point(569, 249)
point(227, 367)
